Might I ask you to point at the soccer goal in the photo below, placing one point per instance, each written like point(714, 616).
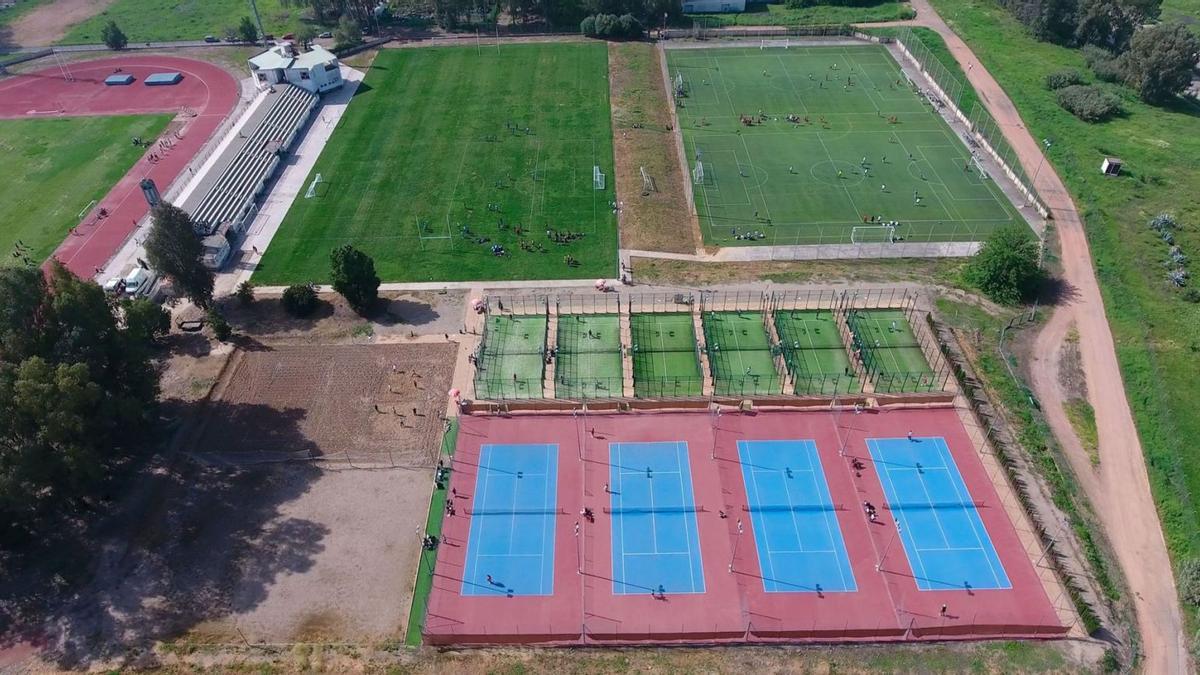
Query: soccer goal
point(680, 89)
point(597, 178)
point(647, 182)
point(312, 187)
point(775, 44)
point(873, 234)
point(698, 173)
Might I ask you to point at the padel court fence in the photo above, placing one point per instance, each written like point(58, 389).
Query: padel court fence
point(771, 351)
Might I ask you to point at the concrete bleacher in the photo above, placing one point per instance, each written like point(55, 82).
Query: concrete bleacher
point(226, 197)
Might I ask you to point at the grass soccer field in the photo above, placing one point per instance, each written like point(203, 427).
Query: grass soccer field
point(861, 144)
point(445, 153)
point(56, 168)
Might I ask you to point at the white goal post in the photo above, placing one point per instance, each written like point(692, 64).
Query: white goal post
point(873, 234)
point(698, 173)
point(312, 187)
point(597, 178)
point(785, 43)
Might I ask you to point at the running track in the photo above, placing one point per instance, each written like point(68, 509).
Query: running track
point(206, 89)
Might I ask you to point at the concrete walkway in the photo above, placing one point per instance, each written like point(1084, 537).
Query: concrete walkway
point(1118, 488)
point(291, 182)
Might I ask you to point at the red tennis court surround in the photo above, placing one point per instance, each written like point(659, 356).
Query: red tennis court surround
point(885, 605)
point(207, 93)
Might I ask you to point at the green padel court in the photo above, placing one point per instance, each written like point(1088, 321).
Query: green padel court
point(665, 360)
point(512, 359)
point(814, 353)
point(890, 351)
point(740, 355)
point(588, 364)
point(861, 143)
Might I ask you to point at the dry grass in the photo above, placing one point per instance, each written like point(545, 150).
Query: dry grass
point(642, 137)
point(906, 270)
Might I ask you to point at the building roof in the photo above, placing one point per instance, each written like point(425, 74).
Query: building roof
point(285, 55)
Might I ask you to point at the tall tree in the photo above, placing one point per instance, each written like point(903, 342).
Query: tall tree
point(354, 277)
point(113, 37)
point(1160, 60)
point(1006, 267)
point(247, 31)
point(173, 249)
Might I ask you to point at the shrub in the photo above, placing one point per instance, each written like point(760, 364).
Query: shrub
point(588, 25)
point(300, 300)
point(612, 26)
point(245, 293)
point(1103, 64)
point(354, 276)
point(113, 37)
point(1006, 267)
point(1189, 581)
point(1063, 78)
point(1089, 102)
point(221, 328)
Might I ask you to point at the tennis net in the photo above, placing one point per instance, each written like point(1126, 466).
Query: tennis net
point(654, 509)
point(516, 512)
point(791, 508)
point(934, 506)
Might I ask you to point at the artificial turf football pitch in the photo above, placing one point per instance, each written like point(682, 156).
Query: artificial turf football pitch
point(864, 145)
point(447, 152)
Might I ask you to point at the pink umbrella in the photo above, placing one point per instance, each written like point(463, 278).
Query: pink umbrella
point(454, 393)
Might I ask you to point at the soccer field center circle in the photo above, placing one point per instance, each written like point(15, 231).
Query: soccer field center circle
point(827, 172)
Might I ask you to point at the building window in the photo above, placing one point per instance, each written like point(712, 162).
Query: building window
point(304, 74)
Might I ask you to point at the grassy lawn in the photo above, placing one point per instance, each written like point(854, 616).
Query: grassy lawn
point(658, 220)
point(762, 14)
point(862, 145)
point(163, 20)
point(9, 14)
point(56, 167)
point(945, 271)
point(1186, 11)
point(446, 153)
point(1154, 328)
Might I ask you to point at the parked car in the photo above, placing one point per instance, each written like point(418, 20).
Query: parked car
point(139, 282)
point(289, 36)
point(325, 35)
point(211, 38)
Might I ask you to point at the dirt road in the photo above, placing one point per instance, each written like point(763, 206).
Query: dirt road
point(1118, 487)
point(49, 23)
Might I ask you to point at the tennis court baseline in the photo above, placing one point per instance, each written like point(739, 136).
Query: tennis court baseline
point(510, 548)
point(945, 540)
point(796, 532)
point(655, 537)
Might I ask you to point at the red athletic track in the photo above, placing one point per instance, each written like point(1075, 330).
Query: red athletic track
point(735, 608)
point(207, 90)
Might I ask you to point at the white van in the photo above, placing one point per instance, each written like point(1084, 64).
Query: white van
point(139, 282)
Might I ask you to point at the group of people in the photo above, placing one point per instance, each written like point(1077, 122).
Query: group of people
point(567, 237)
point(872, 514)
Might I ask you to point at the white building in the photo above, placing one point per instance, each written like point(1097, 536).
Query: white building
point(713, 6)
point(315, 70)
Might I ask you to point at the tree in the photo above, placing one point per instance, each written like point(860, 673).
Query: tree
point(306, 35)
point(220, 327)
point(1160, 60)
point(300, 300)
point(113, 37)
point(245, 293)
point(77, 394)
point(247, 31)
point(354, 277)
point(173, 249)
point(348, 33)
point(145, 321)
point(230, 34)
point(1006, 267)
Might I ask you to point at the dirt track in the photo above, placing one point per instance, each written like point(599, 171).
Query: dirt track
point(49, 23)
point(1118, 487)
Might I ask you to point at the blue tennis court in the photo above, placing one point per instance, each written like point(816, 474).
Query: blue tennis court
point(655, 539)
point(944, 538)
point(800, 546)
point(512, 522)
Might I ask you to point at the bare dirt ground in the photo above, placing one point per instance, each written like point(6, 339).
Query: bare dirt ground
point(1118, 486)
point(48, 24)
point(882, 271)
point(381, 404)
point(657, 220)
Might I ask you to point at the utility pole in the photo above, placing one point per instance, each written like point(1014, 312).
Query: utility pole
point(258, 20)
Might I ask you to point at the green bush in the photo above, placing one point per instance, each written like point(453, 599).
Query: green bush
point(1089, 102)
point(1063, 78)
point(1103, 64)
point(300, 300)
point(220, 327)
point(245, 293)
point(1189, 581)
point(1006, 267)
point(612, 26)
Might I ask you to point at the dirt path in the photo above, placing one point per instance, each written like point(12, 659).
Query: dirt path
point(1118, 488)
point(49, 23)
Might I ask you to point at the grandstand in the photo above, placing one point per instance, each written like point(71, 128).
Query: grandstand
point(224, 202)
